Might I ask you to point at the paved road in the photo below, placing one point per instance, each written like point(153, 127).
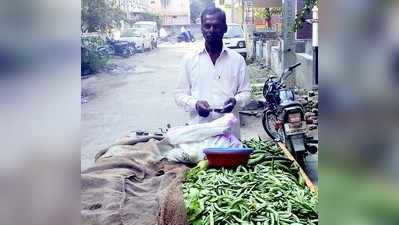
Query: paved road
point(138, 97)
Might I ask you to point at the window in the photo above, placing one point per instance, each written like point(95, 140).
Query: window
point(164, 3)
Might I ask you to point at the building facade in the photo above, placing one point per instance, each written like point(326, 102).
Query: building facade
point(172, 12)
point(234, 10)
point(133, 8)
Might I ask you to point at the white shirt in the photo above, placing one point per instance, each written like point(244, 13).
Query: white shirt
point(199, 79)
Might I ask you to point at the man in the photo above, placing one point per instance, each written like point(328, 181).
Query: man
point(162, 33)
point(183, 32)
point(213, 77)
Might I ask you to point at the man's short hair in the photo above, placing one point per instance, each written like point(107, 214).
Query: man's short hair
point(212, 10)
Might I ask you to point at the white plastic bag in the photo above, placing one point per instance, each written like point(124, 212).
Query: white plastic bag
point(190, 141)
point(202, 131)
point(192, 152)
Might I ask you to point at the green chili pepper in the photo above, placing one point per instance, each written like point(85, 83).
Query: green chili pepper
point(265, 192)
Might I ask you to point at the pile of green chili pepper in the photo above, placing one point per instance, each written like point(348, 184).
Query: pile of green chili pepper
point(269, 190)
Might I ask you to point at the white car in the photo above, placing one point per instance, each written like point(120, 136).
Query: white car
point(234, 39)
point(152, 28)
point(141, 37)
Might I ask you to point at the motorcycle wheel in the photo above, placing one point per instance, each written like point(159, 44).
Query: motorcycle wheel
point(132, 51)
point(299, 156)
point(126, 53)
point(268, 121)
point(103, 53)
point(110, 50)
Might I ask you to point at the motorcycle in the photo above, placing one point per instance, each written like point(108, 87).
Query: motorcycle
point(186, 37)
point(284, 117)
point(120, 48)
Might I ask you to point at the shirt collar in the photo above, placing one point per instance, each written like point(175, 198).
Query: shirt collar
point(202, 49)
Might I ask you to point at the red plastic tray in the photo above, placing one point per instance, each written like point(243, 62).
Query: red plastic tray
point(227, 157)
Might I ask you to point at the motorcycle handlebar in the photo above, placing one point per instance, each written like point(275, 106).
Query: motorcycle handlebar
point(294, 66)
point(288, 71)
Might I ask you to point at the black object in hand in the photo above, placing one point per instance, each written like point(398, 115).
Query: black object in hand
point(229, 105)
point(202, 108)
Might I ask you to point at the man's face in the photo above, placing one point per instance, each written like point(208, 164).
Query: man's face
point(213, 28)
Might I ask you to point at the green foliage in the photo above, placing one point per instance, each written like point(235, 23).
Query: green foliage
point(91, 55)
point(96, 61)
point(196, 7)
point(305, 11)
point(92, 41)
point(195, 206)
point(100, 15)
point(267, 13)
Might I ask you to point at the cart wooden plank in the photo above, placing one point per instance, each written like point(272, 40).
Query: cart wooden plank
point(308, 182)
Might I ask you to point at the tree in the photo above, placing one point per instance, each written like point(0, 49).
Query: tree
point(100, 15)
point(267, 13)
point(300, 17)
point(196, 7)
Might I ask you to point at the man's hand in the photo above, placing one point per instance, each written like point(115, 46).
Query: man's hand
point(229, 105)
point(202, 108)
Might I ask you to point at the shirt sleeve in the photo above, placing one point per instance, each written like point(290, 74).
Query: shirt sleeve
point(244, 88)
point(183, 97)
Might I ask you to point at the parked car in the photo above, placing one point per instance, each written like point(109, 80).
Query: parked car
point(152, 28)
point(140, 36)
point(234, 39)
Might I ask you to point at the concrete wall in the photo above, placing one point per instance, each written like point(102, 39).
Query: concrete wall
point(304, 73)
point(175, 13)
point(304, 46)
point(248, 31)
point(267, 53)
point(276, 62)
point(259, 51)
point(270, 56)
point(173, 20)
point(304, 55)
point(233, 10)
